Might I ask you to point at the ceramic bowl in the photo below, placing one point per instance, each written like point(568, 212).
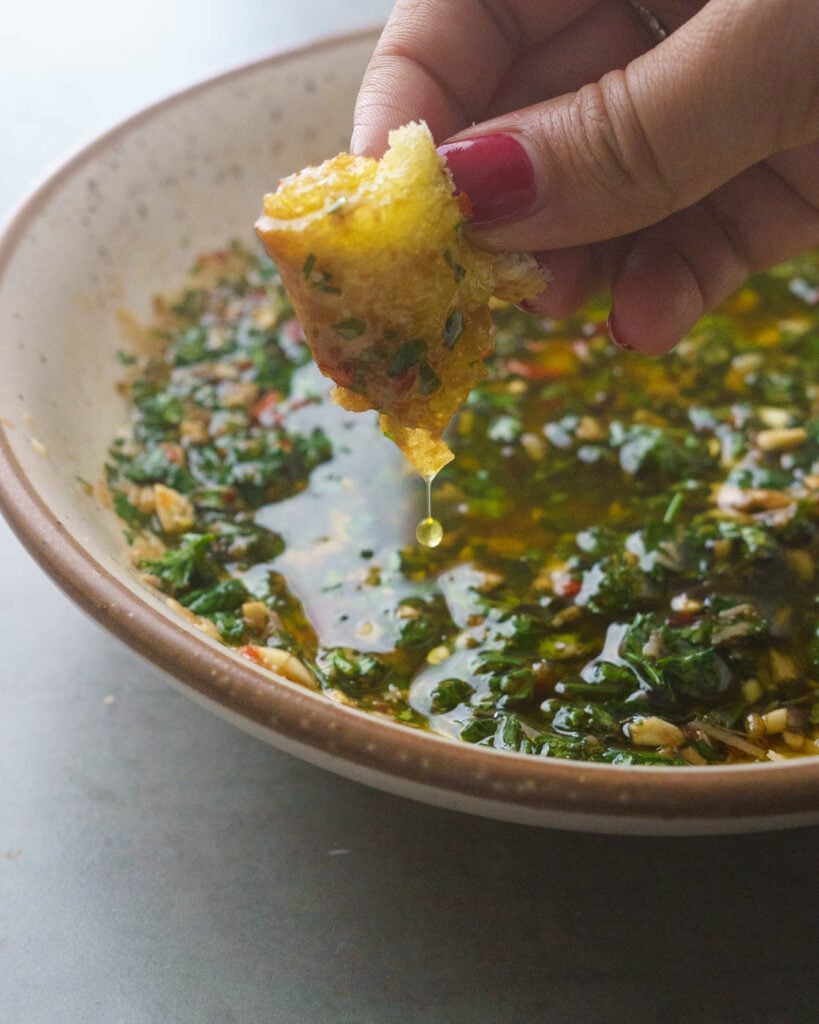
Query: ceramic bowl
point(121, 222)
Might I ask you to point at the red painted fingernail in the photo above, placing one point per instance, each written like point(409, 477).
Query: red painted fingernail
point(496, 174)
point(616, 337)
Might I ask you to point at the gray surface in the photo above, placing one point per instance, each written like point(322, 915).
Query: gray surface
point(157, 866)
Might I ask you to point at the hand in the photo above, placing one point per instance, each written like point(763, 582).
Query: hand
point(668, 172)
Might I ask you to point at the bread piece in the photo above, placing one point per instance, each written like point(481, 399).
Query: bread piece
point(392, 295)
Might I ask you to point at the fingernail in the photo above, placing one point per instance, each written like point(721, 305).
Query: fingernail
point(616, 336)
point(496, 174)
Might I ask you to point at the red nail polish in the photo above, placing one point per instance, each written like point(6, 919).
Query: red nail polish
point(496, 174)
point(615, 336)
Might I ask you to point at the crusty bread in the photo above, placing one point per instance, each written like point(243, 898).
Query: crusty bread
point(392, 295)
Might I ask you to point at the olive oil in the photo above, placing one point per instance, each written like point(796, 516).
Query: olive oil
point(429, 531)
point(662, 556)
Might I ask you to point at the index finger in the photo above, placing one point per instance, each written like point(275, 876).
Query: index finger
point(442, 61)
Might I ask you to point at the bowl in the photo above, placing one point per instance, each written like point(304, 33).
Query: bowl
point(120, 222)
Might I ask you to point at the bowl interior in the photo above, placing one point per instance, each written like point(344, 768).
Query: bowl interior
point(120, 223)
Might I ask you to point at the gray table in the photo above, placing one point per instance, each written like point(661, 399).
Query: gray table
point(157, 866)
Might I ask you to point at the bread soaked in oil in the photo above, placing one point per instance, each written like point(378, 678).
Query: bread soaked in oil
point(392, 295)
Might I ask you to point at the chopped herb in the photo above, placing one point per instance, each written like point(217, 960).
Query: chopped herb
point(324, 284)
point(673, 507)
point(157, 466)
point(453, 328)
point(351, 328)
point(127, 512)
point(185, 566)
point(321, 280)
point(225, 597)
point(192, 304)
point(457, 269)
point(406, 357)
point(448, 694)
point(428, 381)
point(478, 730)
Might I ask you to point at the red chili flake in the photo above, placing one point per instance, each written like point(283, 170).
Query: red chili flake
point(533, 371)
point(250, 653)
point(566, 586)
point(266, 410)
point(679, 619)
point(173, 452)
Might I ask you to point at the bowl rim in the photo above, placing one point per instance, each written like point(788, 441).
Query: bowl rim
point(347, 740)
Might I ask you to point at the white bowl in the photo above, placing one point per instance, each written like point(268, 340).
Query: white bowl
point(121, 222)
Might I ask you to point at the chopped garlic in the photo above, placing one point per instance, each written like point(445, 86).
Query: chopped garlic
point(174, 510)
point(278, 660)
point(776, 721)
point(438, 654)
point(781, 439)
point(654, 732)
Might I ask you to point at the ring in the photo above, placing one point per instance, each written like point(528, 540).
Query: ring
point(652, 23)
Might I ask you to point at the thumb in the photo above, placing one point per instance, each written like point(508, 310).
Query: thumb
point(732, 86)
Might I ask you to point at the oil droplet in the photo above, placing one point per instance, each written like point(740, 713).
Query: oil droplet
point(429, 532)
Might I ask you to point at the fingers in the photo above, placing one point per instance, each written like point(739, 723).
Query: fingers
point(658, 295)
point(607, 36)
point(663, 278)
point(637, 158)
point(443, 60)
point(642, 143)
point(575, 275)
point(426, 66)
point(676, 271)
point(455, 62)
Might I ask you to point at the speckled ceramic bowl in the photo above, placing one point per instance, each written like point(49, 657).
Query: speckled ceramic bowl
point(119, 223)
